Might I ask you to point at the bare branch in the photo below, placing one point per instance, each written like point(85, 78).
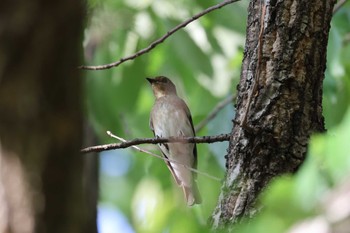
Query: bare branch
point(165, 159)
point(339, 4)
point(214, 112)
point(160, 40)
point(138, 141)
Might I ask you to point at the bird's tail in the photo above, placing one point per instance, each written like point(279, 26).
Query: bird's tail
point(192, 194)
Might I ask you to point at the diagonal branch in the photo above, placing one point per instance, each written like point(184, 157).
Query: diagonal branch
point(214, 112)
point(165, 159)
point(138, 141)
point(338, 6)
point(160, 40)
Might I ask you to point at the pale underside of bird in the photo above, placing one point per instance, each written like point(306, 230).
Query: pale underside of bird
point(170, 117)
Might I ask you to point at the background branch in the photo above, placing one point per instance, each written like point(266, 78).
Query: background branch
point(165, 159)
point(138, 141)
point(214, 112)
point(338, 6)
point(160, 40)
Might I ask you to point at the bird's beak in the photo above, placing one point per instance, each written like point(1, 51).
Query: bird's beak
point(150, 80)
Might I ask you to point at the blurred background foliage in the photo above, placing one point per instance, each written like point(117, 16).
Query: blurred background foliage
point(137, 193)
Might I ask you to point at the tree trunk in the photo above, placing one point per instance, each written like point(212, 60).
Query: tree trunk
point(279, 100)
point(40, 117)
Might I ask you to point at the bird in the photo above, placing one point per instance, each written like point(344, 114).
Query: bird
point(171, 117)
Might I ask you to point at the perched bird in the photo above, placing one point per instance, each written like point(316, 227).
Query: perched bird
point(170, 117)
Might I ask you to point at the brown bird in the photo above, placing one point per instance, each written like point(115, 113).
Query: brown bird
point(170, 117)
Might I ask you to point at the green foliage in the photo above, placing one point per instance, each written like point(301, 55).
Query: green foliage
point(337, 83)
point(204, 61)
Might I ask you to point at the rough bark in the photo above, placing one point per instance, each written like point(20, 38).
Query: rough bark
point(40, 117)
point(279, 100)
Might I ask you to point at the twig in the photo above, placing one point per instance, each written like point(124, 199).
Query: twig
point(214, 112)
point(165, 159)
point(138, 141)
point(337, 6)
point(160, 40)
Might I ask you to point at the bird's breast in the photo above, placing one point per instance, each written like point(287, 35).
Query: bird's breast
point(170, 120)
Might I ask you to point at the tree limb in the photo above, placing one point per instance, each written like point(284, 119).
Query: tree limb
point(138, 141)
point(160, 40)
point(281, 85)
point(165, 159)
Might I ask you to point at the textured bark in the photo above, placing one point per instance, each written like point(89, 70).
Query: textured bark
point(279, 100)
point(41, 117)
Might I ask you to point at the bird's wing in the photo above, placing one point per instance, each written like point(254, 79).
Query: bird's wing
point(171, 169)
point(164, 148)
point(151, 124)
point(195, 146)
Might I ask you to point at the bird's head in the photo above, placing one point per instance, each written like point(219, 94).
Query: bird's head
point(162, 86)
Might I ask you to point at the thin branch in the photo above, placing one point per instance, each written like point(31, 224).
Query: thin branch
point(165, 159)
point(337, 6)
point(214, 112)
point(138, 141)
point(160, 40)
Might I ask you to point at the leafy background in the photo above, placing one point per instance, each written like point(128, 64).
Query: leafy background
point(137, 193)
